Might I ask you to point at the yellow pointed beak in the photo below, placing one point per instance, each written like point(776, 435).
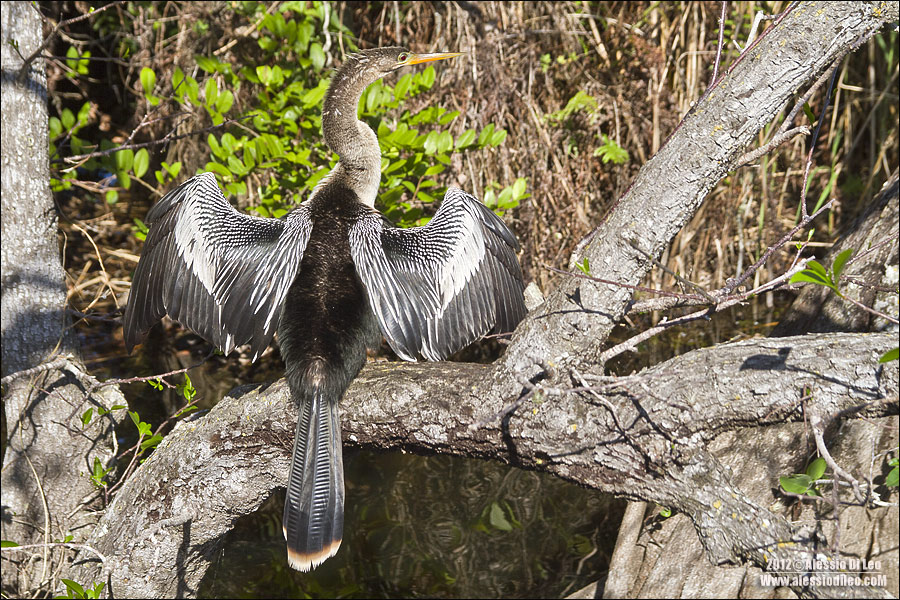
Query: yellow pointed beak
point(416, 59)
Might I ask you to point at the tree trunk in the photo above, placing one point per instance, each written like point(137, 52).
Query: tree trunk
point(47, 456)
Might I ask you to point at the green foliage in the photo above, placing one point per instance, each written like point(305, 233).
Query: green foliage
point(819, 275)
point(76, 62)
point(98, 473)
point(283, 136)
point(805, 483)
point(610, 151)
point(584, 267)
point(76, 590)
point(278, 145)
point(186, 389)
point(890, 355)
point(509, 197)
point(893, 476)
point(579, 102)
point(497, 517)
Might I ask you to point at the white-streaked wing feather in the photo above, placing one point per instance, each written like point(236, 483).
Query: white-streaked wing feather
point(221, 273)
point(437, 288)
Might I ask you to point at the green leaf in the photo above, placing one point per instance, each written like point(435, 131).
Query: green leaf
point(186, 410)
point(584, 266)
point(816, 267)
point(428, 76)
point(893, 477)
point(444, 142)
point(434, 170)
point(317, 55)
point(68, 118)
point(518, 188)
point(178, 81)
point(124, 160)
point(141, 162)
point(465, 139)
point(74, 587)
point(839, 263)
point(402, 86)
point(486, 134)
point(809, 113)
point(210, 65)
point(498, 519)
point(431, 142)
point(810, 276)
point(890, 355)
point(148, 80)
point(225, 101)
point(816, 469)
point(796, 484)
point(151, 442)
point(211, 90)
point(498, 138)
point(8, 544)
point(86, 417)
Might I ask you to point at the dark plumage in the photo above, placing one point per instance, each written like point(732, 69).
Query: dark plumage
point(330, 276)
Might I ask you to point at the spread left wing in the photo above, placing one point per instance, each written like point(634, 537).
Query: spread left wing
point(221, 273)
point(437, 288)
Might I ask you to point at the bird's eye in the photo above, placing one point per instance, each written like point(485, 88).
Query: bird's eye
point(404, 56)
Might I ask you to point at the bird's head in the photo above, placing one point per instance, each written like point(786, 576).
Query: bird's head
point(384, 60)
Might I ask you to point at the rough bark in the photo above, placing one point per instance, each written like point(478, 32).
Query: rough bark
point(47, 454)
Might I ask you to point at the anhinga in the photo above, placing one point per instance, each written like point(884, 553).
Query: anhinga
point(327, 277)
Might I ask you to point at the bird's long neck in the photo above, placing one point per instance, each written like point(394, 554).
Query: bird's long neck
point(353, 141)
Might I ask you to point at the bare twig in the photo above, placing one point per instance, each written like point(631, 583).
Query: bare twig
point(637, 288)
point(720, 45)
point(777, 140)
point(26, 62)
point(58, 363)
point(734, 283)
point(815, 137)
point(818, 428)
point(25, 547)
point(164, 140)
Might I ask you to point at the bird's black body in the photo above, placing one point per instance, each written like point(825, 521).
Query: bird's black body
point(326, 313)
point(330, 277)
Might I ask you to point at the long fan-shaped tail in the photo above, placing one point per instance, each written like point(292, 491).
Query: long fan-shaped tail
point(314, 507)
